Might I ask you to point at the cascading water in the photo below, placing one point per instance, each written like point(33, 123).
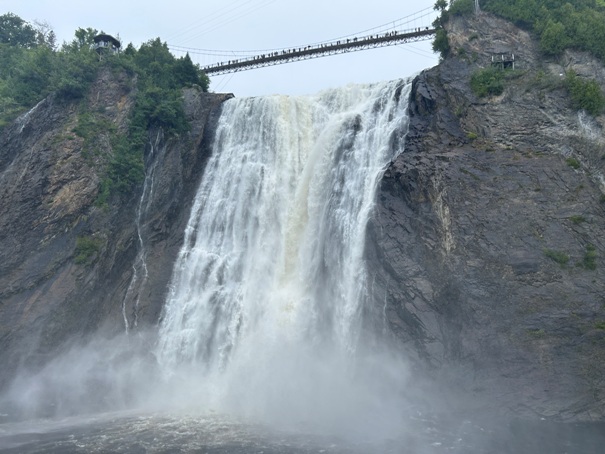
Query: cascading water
point(140, 273)
point(268, 291)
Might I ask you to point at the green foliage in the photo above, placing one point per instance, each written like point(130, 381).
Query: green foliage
point(94, 129)
point(488, 82)
point(126, 168)
point(536, 333)
point(87, 249)
point(31, 68)
point(585, 94)
point(560, 257)
point(577, 219)
point(462, 7)
point(559, 23)
point(573, 163)
point(553, 39)
point(30, 76)
point(440, 5)
point(78, 71)
point(441, 43)
point(14, 31)
point(589, 260)
point(84, 39)
point(457, 7)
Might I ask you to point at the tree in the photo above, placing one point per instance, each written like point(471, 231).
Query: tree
point(157, 62)
point(441, 43)
point(46, 35)
point(440, 5)
point(16, 32)
point(84, 39)
point(553, 39)
point(462, 7)
point(189, 74)
point(585, 94)
point(31, 76)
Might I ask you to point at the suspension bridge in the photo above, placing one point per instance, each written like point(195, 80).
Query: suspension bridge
point(319, 50)
point(390, 34)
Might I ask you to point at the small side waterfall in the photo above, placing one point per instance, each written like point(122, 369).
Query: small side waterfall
point(140, 273)
point(268, 291)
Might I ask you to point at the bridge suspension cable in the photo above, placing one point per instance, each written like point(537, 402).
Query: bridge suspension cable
point(389, 28)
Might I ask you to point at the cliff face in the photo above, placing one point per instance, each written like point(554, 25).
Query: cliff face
point(49, 186)
point(488, 240)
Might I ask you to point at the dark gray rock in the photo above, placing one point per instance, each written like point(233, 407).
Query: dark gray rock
point(470, 221)
point(48, 189)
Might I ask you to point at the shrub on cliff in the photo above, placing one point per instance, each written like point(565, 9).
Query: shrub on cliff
point(441, 43)
point(585, 94)
point(488, 82)
point(553, 39)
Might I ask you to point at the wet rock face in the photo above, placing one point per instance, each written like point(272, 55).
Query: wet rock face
point(48, 190)
point(488, 240)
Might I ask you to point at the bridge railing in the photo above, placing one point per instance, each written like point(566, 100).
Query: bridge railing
point(303, 53)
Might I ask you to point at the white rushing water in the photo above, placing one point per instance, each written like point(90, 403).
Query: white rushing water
point(140, 272)
point(268, 292)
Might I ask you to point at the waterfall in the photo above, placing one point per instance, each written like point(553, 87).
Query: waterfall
point(140, 273)
point(269, 289)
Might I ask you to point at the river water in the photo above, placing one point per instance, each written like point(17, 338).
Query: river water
point(167, 433)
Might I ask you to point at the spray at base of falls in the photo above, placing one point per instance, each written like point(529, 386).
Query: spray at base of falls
point(269, 291)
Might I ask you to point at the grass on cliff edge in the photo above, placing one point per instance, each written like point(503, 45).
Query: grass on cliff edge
point(585, 94)
point(87, 248)
point(560, 257)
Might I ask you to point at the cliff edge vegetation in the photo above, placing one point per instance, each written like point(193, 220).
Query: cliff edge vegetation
point(557, 24)
point(32, 67)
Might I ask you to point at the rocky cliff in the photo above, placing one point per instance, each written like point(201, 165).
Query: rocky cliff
point(69, 265)
point(488, 241)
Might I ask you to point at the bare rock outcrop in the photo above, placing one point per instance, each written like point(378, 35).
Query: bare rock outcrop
point(488, 241)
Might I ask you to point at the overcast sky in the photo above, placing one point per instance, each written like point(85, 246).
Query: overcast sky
point(243, 25)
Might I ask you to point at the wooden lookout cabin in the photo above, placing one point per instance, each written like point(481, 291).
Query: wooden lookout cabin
point(106, 44)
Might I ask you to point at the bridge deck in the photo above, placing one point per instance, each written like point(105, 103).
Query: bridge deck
point(304, 53)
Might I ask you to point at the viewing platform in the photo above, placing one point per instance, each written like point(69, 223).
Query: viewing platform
point(106, 43)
